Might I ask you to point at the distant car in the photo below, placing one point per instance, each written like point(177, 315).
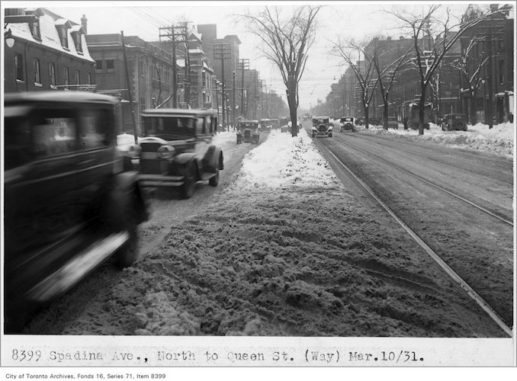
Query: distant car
point(321, 126)
point(284, 124)
point(69, 205)
point(347, 124)
point(175, 149)
point(248, 131)
point(454, 122)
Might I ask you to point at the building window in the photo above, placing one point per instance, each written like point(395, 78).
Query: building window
point(66, 80)
point(501, 72)
point(63, 36)
point(110, 64)
point(35, 29)
point(78, 42)
point(37, 72)
point(18, 64)
point(52, 74)
point(98, 64)
point(89, 78)
point(77, 77)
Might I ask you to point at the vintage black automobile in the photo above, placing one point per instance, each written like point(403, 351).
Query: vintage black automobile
point(454, 122)
point(347, 124)
point(176, 149)
point(68, 203)
point(248, 131)
point(321, 126)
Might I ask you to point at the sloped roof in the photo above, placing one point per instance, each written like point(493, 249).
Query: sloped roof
point(49, 34)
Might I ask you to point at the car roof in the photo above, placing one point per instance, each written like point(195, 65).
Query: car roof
point(248, 121)
point(320, 117)
point(178, 112)
point(58, 96)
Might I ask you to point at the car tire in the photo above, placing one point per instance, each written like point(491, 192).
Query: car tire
point(330, 135)
point(189, 181)
point(214, 180)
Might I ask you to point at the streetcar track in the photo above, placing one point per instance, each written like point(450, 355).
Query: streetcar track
point(435, 256)
point(443, 189)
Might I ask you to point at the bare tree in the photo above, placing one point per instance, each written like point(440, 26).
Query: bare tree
point(430, 48)
point(386, 77)
point(364, 71)
point(471, 69)
point(286, 43)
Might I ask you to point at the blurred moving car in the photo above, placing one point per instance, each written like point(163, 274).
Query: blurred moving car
point(175, 149)
point(68, 203)
point(454, 122)
point(321, 126)
point(248, 131)
point(347, 124)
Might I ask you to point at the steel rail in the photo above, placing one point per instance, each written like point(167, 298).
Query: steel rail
point(443, 189)
point(464, 285)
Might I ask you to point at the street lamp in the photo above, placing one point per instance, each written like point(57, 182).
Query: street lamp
point(9, 39)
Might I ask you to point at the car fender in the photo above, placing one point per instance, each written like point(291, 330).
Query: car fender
point(125, 192)
point(182, 159)
point(213, 159)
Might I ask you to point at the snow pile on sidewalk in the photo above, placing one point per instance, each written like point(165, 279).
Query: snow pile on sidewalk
point(499, 140)
point(285, 161)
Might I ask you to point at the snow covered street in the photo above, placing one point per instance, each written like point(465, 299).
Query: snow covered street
point(285, 249)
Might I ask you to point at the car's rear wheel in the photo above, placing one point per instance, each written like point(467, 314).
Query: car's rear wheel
point(189, 181)
point(214, 180)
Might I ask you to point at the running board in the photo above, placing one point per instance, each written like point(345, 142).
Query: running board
point(68, 275)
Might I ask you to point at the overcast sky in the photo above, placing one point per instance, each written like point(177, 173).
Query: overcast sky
point(358, 20)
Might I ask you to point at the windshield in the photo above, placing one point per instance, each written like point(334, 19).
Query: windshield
point(169, 128)
point(248, 125)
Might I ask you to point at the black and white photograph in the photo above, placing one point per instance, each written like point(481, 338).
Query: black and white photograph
point(243, 183)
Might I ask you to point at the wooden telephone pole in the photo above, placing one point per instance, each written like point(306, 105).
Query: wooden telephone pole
point(222, 52)
point(244, 64)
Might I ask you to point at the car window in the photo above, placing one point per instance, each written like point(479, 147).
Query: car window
point(96, 127)
point(54, 132)
point(17, 143)
point(169, 127)
point(200, 126)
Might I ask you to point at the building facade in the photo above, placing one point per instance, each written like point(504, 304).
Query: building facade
point(43, 51)
point(149, 69)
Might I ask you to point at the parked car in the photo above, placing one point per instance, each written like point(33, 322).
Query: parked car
point(248, 131)
point(321, 126)
point(347, 124)
point(175, 149)
point(68, 203)
point(454, 122)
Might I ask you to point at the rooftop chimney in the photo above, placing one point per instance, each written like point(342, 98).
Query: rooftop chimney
point(84, 24)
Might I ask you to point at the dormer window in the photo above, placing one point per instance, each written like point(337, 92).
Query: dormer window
point(62, 27)
point(35, 29)
point(76, 31)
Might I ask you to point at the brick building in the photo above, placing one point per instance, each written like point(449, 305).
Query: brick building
point(150, 73)
point(43, 51)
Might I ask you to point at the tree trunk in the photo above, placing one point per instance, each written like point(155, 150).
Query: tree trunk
point(291, 100)
point(366, 117)
point(472, 107)
point(421, 114)
point(385, 115)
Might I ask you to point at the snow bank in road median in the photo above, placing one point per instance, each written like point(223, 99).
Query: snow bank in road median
point(283, 161)
point(499, 140)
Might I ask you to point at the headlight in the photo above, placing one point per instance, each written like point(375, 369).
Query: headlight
point(330, 128)
point(166, 152)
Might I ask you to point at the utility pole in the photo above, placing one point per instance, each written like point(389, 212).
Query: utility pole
point(233, 99)
point(222, 52)
point(168, 31)
point(244, 64)
point(128, 84)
